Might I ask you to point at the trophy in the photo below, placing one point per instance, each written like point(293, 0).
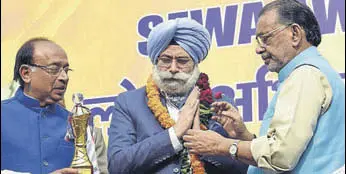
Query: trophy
point(79, 122)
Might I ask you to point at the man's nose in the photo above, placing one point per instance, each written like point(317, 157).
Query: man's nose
point(260, 49)
point(63, 76)
point(174, 67)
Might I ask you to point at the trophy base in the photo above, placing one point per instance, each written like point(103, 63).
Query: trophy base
point(86, 170)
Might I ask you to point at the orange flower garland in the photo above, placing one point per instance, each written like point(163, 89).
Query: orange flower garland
point(161, 114)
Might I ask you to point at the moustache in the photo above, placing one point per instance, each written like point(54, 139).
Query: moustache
point(265, 56)
point(167, 76)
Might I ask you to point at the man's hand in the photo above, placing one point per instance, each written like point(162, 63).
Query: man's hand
point(196, 120)
point(229, 117)
point(187, 113)
point(66, 171)
point(206, 142)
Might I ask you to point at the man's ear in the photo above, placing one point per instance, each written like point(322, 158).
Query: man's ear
point(25, 73)
point(298, 35)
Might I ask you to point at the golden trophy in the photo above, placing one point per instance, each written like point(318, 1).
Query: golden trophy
point(79, 122)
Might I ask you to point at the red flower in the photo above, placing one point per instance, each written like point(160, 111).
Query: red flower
point(209, 100)
point(206, 100)
point(206, 95)
point(218, 95)
point(202, 82)
point(206, 92)
point(203, 77)
point(199, 83)
point(206, 86)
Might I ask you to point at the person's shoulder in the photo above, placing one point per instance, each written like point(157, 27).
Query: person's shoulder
point(8, 102)
point(133, 93)
point(131, 98)
point(10, 107)
point(307, 67)
point(306, 72)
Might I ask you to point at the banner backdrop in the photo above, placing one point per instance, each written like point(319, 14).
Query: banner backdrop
point(106, 45)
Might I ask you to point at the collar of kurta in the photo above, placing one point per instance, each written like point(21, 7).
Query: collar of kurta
point(308, 53)
point(33, 103)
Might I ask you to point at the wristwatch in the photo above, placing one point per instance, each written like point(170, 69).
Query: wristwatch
point(233, 149)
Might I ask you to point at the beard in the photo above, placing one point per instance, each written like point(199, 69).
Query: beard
point(273, 63)
point(175, 84)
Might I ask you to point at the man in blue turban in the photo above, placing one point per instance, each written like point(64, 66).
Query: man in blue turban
point(147, 125)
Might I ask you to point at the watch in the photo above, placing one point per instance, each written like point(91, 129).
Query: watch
point(233, 149)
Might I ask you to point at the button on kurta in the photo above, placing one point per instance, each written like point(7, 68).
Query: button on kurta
point(175, 170)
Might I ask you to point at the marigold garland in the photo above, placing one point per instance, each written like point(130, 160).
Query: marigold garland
point(161, 113)
point(154, 103)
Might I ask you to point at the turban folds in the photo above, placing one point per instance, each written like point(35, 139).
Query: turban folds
point(188, 33)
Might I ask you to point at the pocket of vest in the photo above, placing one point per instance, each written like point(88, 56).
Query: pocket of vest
point(65, 151)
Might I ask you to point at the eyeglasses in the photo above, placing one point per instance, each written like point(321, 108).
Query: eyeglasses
point(262, 39)
point(166, 62)
point(52, 69)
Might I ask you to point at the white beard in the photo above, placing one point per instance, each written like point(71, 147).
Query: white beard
point(175, 84)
